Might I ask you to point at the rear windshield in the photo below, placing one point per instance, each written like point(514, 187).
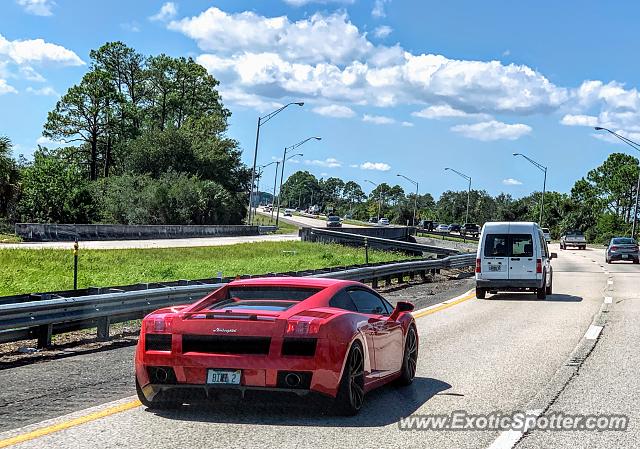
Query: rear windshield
point(577, 233)
point(623, 241)
point(545, 230)
point(264, 298)
point(332, 218)
point(508, 245)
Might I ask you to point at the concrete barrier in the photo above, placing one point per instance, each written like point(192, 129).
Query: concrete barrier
point(386, 232)
point(46, 232)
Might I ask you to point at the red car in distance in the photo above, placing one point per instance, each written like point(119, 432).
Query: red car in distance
point(339, 339)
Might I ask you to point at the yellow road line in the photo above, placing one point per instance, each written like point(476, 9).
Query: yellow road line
point(445, 306)
point(68, 424)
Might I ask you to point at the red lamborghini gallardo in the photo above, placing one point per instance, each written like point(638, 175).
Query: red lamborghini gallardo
point(298, 335)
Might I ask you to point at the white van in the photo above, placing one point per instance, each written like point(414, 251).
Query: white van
point(513, 256)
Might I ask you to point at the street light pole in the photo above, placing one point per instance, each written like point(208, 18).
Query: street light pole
point(260, 171)
point(544, 185)
point(468, 178)
point(275, 182)
point(379, 197)
point(284, 159)
point(415, 200)
point(261, 121)
point(635, 146)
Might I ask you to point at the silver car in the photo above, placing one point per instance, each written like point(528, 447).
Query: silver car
point(622, 248)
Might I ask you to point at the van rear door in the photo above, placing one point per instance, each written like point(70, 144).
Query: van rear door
point(495, 260)
point(522, 263)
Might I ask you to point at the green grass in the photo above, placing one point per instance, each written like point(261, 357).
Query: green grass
point(28, 271)
point(283, 226)
point(9, 238)
point(439, 237)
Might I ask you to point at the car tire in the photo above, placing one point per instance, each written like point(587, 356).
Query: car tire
point(636, 261)
point(350, 397)
point(481, 293)
point(549, 289)
point(410, 358)
point(541, 293)
point(159, 402)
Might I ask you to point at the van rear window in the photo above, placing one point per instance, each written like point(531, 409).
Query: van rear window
point(508, 245)
point(495, 245)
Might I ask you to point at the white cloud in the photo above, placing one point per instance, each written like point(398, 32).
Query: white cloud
point(511, 182)
point(30, 74)
point(317, 39)
point(379, 166)
point(334, 110)
point(167, 12)
point(44, 91)
point(378, 8)
point(328, 163)
point(263, 61)
point(446, 111)
point(306, 2)
point(133, 27)
point(378, 119)
point(492, 130)
point(37, 7)
point(45, 141)
point(579, 120)
point(6, 88)
point(37, 50)
point(382, 31)
point(407, 124)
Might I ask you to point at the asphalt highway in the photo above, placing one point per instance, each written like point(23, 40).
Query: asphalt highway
point(575, 352)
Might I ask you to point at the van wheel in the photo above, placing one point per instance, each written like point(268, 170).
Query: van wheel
point(541, 293)
point(481, 293)
point(549, 289)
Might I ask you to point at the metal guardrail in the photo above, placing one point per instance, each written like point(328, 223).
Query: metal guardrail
point(466, 238)
point(44, 318)
point(378, 242)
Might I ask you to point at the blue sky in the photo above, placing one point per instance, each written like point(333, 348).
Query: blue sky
point(391, 86)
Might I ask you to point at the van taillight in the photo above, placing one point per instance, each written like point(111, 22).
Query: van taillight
point(478, 266)
point(538, 265)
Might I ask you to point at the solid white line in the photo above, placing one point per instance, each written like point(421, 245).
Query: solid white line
point(509, 438)
point(610, 282)
point(608, 300)
point(593, 332)
point(416, 312)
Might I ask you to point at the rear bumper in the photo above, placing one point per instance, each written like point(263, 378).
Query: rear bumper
point(259, 372)
point(621, 256)
point(198, 392)
point(565, 243)
point(509, 284)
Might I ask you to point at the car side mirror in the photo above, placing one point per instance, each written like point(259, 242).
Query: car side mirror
point(554, 255)
point(403, 306)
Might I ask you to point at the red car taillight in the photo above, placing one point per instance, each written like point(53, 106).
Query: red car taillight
point(302, 325)
point(538, 265)
point(478, 266)
point(614, 248)
point(158, 324)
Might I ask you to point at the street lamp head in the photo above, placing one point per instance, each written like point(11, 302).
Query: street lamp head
point(318, 138)
point(516, 154)
point(299, 103)
point(598, 128)
point(447, 168)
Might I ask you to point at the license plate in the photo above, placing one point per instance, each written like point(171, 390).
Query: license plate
point(625, 256)
point(494, 267)
point(225, 377)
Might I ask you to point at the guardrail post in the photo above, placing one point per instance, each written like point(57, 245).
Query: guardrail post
point(374, 283)
point(44, 335)
point(366, 251)
point(412, 275)
point(400, 278)
point(423, 275)
point(387, 281)
point(103, 328)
